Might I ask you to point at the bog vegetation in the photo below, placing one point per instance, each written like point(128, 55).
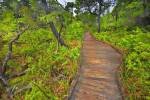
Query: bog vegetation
point(40, 42)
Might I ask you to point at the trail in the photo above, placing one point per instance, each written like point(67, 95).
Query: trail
point(97, 77)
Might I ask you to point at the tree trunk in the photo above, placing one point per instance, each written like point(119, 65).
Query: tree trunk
point(56, 34)
point(45, 5)
point(99, 18)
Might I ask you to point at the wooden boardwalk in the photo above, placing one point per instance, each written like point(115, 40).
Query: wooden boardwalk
point(97, 77)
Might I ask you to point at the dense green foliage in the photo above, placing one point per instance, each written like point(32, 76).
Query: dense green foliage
point(134, 41)
point(50, 67)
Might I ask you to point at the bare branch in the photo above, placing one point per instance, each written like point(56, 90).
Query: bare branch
point(3, 80)
point(3, 77)
point(17, 75)
point(57, 34)
point(8, 55)
point(22, 89)
point(7, 87)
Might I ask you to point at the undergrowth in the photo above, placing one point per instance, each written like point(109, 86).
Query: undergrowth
point(134, 41)
point(50, 68)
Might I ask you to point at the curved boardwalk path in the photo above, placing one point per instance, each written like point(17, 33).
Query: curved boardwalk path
point(97, 77)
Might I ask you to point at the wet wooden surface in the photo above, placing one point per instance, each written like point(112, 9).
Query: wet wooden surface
point(97, 79)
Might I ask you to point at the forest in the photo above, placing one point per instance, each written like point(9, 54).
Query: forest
point(41, 45)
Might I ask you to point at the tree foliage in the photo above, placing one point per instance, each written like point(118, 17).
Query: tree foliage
point(92, 6)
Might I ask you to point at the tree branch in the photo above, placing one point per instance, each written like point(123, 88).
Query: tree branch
point(3, 68)
point(9, 53)
point(60, 5)
point(22, 89)
point(3, 80)
point(17, 75)
point(57, 34)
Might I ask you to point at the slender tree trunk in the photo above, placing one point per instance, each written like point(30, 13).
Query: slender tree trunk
point(116, 15)
point(45, 5)
point(146, 8)
point(57, 34)
point(99, 18)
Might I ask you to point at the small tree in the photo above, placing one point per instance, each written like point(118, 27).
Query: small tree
point(95, 7)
